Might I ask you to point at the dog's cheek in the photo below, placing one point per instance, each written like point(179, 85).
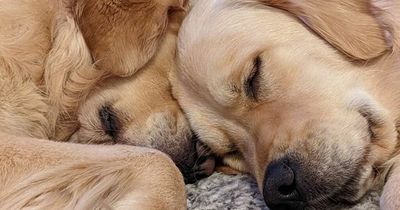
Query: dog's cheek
point(391, 191)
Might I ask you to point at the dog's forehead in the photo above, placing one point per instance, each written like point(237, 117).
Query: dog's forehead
point(219, 36)
point(215, 20)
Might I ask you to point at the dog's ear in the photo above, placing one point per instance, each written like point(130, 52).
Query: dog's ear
point(387, 12)
point(348, 25)
point(124, 35)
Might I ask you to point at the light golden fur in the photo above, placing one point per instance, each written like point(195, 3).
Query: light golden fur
point(40, 174)
point(335, 118)
point(54, 55)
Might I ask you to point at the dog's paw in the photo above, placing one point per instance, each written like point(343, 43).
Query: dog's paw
point(390, 199)
point(206, 159)
point(204, 165)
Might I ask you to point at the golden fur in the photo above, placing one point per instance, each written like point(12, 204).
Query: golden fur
point(57, 58)
point(40, 174)
point(333, 119)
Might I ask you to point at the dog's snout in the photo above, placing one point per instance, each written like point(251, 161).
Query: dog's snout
point(280, 191)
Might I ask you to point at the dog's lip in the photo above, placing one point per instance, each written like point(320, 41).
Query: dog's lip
point(335, 198)
point(341, 195)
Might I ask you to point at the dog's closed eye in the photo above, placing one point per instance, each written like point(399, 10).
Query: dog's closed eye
point(109, 121)
point(252, 83)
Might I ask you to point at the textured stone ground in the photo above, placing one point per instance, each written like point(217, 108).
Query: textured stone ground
point(220, 192)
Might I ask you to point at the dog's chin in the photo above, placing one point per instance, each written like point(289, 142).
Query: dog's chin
point(331, 202)
point(348, 194)
point(338, 200)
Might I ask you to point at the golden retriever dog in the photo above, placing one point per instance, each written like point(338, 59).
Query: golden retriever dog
point(141, 111)
point(60, 68)
point(304, 95)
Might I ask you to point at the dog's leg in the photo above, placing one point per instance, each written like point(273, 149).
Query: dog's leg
point(39, 174)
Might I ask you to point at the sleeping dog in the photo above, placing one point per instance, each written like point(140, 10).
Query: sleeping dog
point(61, 64)
point(304, 95)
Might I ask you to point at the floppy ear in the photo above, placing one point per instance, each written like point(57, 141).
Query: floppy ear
point(124, 35)
point(387, 12)
point(69, 73)
point(348, 25)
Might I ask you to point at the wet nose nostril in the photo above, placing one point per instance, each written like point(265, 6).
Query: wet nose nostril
point(287, 190)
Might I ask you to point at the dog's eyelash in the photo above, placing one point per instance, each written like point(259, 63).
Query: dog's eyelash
point(252, 82)
point(109, 121)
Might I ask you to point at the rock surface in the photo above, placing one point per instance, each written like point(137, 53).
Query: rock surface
point(220, 192)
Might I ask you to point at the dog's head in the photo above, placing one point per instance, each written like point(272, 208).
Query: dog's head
point(126, 37)
point(308, 122)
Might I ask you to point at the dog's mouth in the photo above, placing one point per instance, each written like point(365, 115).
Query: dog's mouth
point(346, 196)
point(296, 183)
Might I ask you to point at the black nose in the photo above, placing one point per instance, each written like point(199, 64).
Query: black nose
point(280, 187)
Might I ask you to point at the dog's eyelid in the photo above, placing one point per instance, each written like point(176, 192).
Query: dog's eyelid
point(109, 121)
point(251, 84)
